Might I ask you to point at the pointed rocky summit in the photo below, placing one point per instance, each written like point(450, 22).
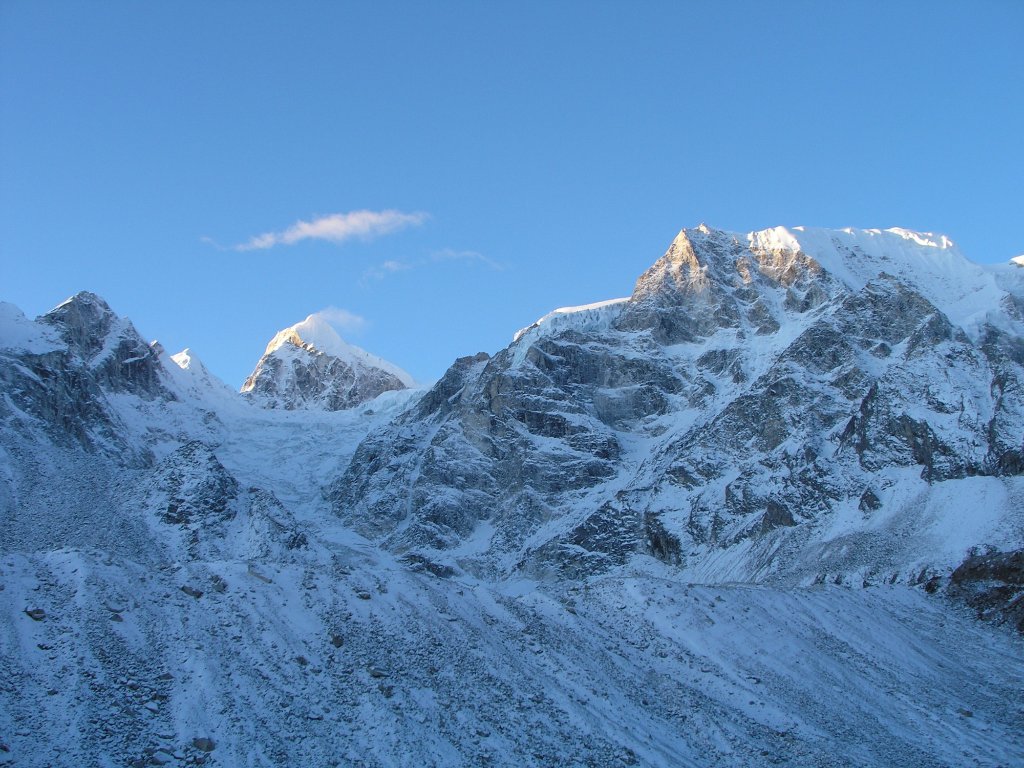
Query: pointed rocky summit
point(308, 366)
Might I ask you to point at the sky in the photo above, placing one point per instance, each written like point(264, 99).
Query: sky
point(436, 176)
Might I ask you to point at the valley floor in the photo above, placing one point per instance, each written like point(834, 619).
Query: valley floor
point(344, 656)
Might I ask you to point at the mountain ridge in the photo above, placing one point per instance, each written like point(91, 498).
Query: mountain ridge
point(749, 515)
point(598, 385)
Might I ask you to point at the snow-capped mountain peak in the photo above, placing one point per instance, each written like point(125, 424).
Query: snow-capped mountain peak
point(309, 366)
point(318, 333)
point(192, 381)
point(704, 262)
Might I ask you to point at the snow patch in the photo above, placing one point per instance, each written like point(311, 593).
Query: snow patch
point(18, 332)
point(184, 360)
point(589, 317)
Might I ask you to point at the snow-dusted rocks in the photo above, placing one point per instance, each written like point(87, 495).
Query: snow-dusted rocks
point(716, 523)
point(309, 366)
point(109, 346)
point(61, 374)
point(193, 492)
point(781, 391)
point(993, 584)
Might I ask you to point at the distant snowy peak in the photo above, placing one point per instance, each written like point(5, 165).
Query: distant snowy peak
point(875, 241)
point(308, 366)
point(319, 334)
point(930, 263)
point(854, 256)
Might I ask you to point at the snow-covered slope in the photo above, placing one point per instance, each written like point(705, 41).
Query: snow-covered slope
point(334, 654)
point(87, 404)
point(309, 366)
point(930, 264)
point(17, 332)
point(747, 516)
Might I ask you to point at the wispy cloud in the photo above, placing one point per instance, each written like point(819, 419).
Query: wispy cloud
point(342, 319)
point(384, 269)
point(335, 228)
point(392, 266)
point(450, 254)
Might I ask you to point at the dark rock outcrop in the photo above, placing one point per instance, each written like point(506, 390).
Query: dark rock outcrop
point(993, 585)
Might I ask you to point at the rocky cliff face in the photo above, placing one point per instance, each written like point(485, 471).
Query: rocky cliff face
point(755, 395)
point(61, 373)
point(308, 366)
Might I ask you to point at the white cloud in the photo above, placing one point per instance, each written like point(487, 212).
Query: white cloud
point(390, 267)
point(450, 254)
point(336, 228)
point(342, 319)
point(382, 270)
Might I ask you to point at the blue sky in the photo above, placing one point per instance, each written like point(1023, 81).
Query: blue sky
point(464, 167)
